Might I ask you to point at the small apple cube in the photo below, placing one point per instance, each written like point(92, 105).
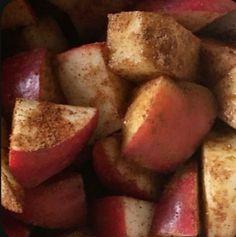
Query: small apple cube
point(217, 59)
point(13, 227)
point(144, 45)
point(29, 75)
point(192, 14)
point(219, 183)
point(87, 81)
point(57, 203)
point(166, 122)
point(119, 216)
point(46, 33)
point(17, 13)
point(176, 213)
point(12, 194)
point(225, 91)
point(46, 138)
point(119, 175)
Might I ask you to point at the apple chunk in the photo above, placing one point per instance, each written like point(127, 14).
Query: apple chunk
point(46, 138)
point(166, 122)
point(192, 14)
point(219, 182)
point(225, 92)
point(121, 176)
point(86, 80)
point(119, 216)
point(57, 203)
point(29, 75)
point(176, 213)
point(145, 45)
point(17, 13)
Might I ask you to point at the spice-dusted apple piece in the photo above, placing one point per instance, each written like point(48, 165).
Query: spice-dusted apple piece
point(176, 213)
point(46, 33)
point(29, 75)
point(17, 13)
point(218, 180)
point(13, 227)
point(46, 138)
point(86, 80)
point(11, 192)
point(192, 14)
point(120, 216)
point(144, 45)
point(166, 122)
point(57, 203)
point(217, 59)
point(225, 92)
point(121, 176)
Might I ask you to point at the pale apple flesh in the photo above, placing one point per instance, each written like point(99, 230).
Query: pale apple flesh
point(158, 131)
point(119, 216)
point(176, 213)
point(218, 182)
point(119, 175)
point(46, 138)
point(57, 203)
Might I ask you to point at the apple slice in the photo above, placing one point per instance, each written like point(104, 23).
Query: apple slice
point(119, 216)
point(46, 33)
point(13, 227)
point(29, 75)
point(120, 176)
point(57, 203)
point(217, 59)
point(192, 14)
point(17, 13)
point(177, 213)
point(86, 80)
point(166, 122)
point(225, 91)
point(219, 176)
point(46, 138)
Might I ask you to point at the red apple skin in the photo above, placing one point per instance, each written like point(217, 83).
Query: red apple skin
point(176, 213)
point(123, 183)
point(176, 121)
point(104, 209)
point(58, 203)
point(24, 75)
point(13, 227)
point(29, 172)
point(192, 14)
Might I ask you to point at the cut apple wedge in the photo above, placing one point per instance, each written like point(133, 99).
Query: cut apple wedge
point(29, 75)
point(219, 183)
point(119, 216)
point(57, 203)
point(166, 122)
point(13, 227)
point(86, 80)
point(46, 33)
point(177, 213)
point(17, 13)
point(46, 138)
point(217, 59)
point(225, 92)
point(119, 175)
point(192, 14)
point(12, 193)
